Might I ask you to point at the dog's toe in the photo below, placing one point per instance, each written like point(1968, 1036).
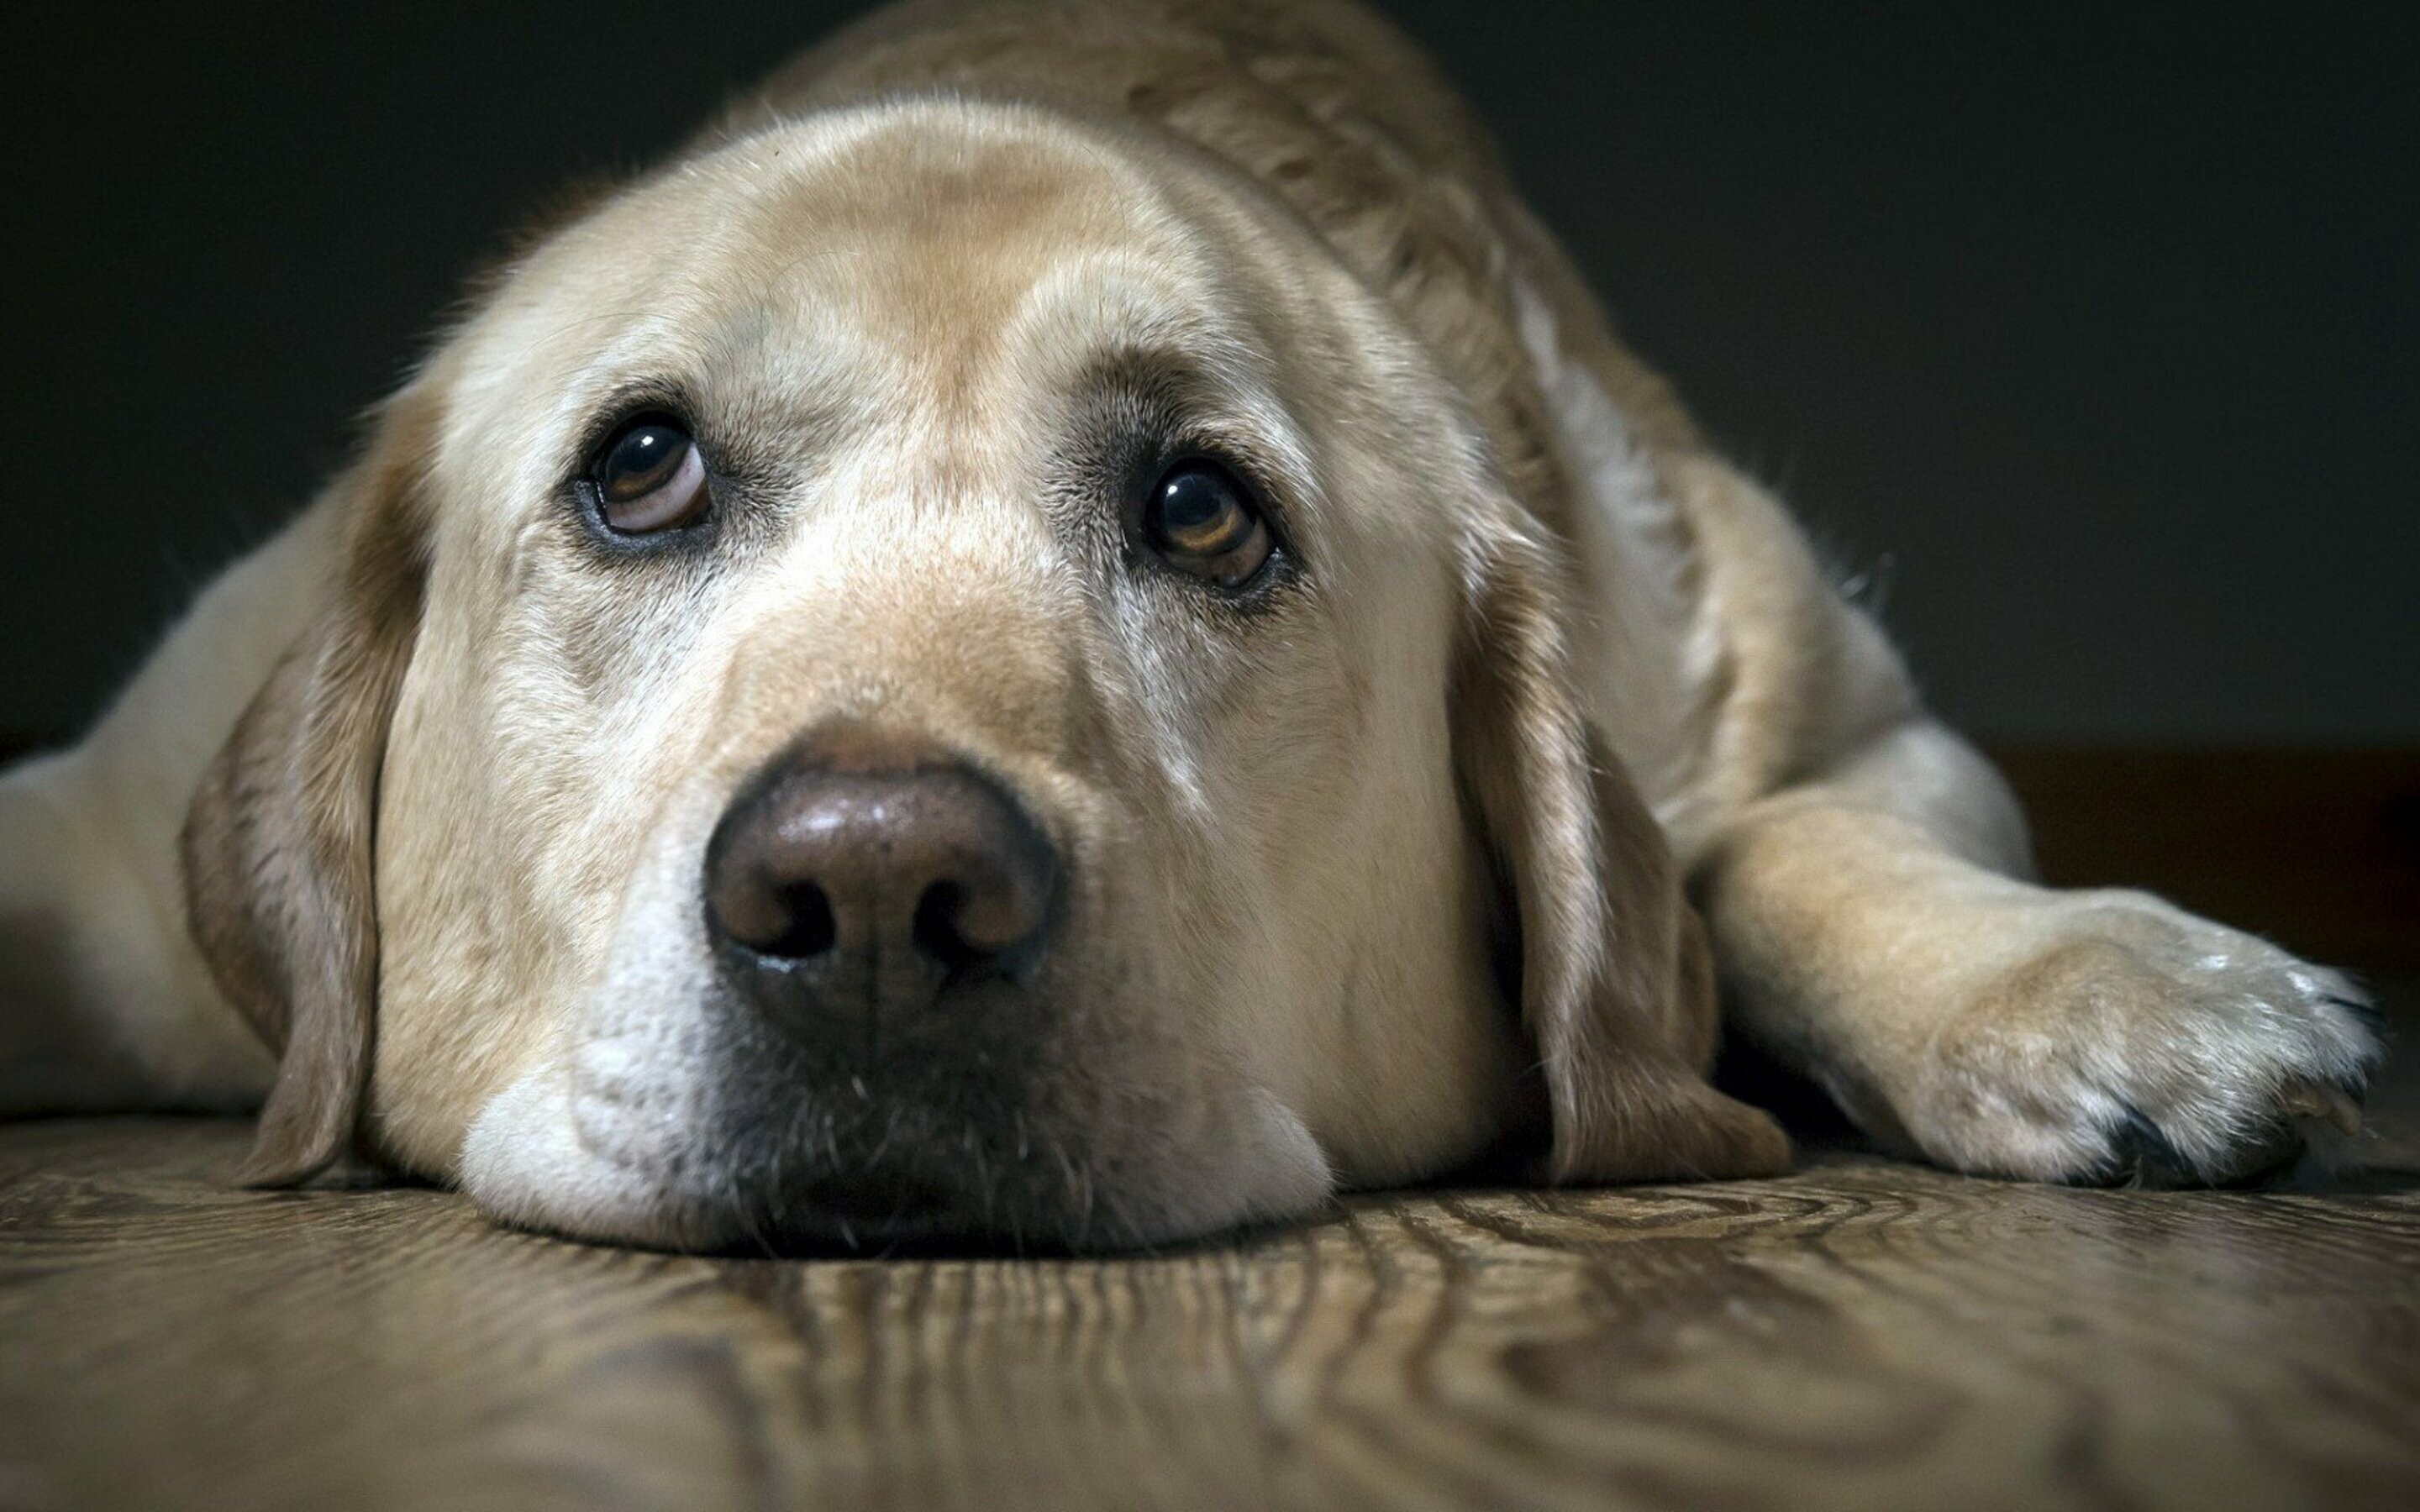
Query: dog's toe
point(2139, 1045)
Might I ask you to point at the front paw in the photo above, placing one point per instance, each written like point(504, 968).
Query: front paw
point(2132, 1041)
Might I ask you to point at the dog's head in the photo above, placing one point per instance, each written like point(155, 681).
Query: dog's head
point(934, 670)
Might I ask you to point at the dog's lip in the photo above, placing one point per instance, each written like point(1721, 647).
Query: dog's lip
point(882, 1214)
point(886, 1202)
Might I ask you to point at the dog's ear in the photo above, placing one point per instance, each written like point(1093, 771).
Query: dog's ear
point(1615, 980)
point(277, 844)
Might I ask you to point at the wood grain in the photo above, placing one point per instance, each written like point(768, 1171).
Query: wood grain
point(1862, 1334)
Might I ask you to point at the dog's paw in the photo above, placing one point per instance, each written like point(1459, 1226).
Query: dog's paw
point(2135, 1043)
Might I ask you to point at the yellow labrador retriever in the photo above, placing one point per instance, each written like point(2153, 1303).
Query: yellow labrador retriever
point(1073, 626)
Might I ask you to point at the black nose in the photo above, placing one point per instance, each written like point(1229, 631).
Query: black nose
point(864, 876)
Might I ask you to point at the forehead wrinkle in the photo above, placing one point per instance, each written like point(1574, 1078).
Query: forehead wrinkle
point(951, 216)
point(1079, 326)
point(912, 165)
point(1123, 296)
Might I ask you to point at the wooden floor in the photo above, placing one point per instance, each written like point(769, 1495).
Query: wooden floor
point(1862, 1334)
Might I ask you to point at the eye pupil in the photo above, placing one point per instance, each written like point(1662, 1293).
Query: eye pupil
point(640, 460)
point(1194, 503)
point(649, 477)
point(1202, 519)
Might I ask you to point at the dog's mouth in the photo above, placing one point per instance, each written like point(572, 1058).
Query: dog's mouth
point(877, 1214)
point(868, 1213)
point(945, 1161)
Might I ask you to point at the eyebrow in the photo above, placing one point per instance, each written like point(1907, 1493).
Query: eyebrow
point(1170, 401)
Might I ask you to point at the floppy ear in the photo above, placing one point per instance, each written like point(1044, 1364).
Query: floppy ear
point(277, 843)
point(1615, 979)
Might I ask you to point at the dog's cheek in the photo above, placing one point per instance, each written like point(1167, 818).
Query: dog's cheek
point(526, 1162)
point(468, 997)
point(1264, 1166)
point(599, 1122)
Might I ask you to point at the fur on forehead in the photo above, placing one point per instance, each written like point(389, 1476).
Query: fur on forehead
point(928, 241)
point(966, 186)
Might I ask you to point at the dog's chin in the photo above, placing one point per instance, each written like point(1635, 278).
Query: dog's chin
point(536, 1158)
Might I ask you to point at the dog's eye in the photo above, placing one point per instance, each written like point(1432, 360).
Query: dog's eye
point(649, 477)
point(1202, 519)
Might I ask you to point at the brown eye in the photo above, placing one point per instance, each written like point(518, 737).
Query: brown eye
point(649, 477)
point(1202, 519)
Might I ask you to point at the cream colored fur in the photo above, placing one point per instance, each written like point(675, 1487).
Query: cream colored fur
point(892, 266)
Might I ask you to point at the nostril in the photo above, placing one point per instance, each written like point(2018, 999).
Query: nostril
point(937, 930)
point(967, 921)
point(810, 929)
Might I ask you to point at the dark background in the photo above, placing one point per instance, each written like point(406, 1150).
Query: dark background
point(2092, 333)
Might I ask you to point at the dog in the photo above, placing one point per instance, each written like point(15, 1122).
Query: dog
point(1072, 628)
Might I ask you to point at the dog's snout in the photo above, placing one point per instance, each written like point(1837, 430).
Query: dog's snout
point(850, 884)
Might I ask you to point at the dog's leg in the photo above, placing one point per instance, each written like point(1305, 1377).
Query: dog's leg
point(1865, 872)
point(104, 1002)
point(1866, 876)
point(1871, 935)
point(1874, 930)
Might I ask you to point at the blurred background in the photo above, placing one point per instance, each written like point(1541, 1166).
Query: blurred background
point(2088, 336)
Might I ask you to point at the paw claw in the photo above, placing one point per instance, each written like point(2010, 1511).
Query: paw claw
point(2337, 1106)
point(2139, 1045)
point(2373, 1018)
point(2144, 1155)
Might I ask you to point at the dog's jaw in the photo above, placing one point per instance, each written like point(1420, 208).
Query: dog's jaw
point(537, 1157)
